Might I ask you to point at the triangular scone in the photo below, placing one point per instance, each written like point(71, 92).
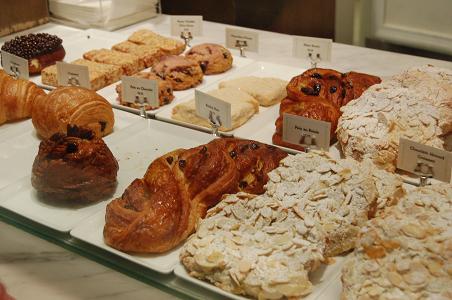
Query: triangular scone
point(266, 90)
point(243, 107)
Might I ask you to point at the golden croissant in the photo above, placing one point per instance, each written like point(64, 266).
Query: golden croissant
point(158, 212)
point(72, 106)
point(16, 98)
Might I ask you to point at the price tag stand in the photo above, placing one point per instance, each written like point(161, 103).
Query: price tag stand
point(241, 44)
point(216, 124)
point(187, 37)
point(315, 59)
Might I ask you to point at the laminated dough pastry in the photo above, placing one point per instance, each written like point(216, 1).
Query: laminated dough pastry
point(100, 75)
point(148, 55)
point(159, 211)
point(129, 63)
point(17, 97)
point(64, 106)
point(164, 87)
point(243, 107)
point(265, 246)
point(212, 58)
point(415, 105)
point(167, 45)
point(407, 252)
point(267, 90)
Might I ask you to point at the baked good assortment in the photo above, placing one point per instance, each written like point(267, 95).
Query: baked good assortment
point(159, 211)
point(147, 37)
point(165, 89)
point(75, 166)
point(329, 89)
point(406, 253)
point(266, 90)
point(243, 107)
point(17, 97)
point(416, 104)
point(40, 49)
point(212, 58)
point(129, 63)
point(265, 246)
point(64, 106)
point(182, 72)
point(100, 75)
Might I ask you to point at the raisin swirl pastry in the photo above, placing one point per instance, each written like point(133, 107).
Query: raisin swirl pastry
point(41, 50)
point(183, 73)
point(159, 211)
point(76, 166)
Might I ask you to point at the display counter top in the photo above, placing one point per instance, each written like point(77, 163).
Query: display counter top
point(32, 268)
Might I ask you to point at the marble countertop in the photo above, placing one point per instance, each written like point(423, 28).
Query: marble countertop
point(32, 268)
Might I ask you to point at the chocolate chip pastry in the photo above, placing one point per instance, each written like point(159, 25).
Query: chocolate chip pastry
point(182, 72)
point(212, 58)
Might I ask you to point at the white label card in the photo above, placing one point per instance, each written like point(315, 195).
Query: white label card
point(140, 90)
point(424, 160)
point(317, 49)
point(74, 75)
point(236, 38)
point(213, 109)
point(192, 24)
point(15, 66)
point(306, 132)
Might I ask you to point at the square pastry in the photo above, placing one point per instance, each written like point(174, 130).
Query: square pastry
point(148, 54)
point(243, 107)
point(129, 63)
point(100, 75)
point(147, 37)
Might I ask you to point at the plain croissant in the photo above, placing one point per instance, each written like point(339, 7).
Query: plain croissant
point(158, 212)
point(16, 98)
point(72, 106)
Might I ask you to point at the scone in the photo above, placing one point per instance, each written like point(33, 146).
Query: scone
point(243, 107)
point(266, 246)
point(147, 37)
point(165, 91)
point(266, 90)
point(129, 63)
point(100, 75)
point(405, 254)
point(212, 58)
point(147, 54)
point(182, 72)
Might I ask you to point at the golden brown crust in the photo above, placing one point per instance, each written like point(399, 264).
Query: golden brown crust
point(72, 106)
point(17, 97)
point(159, 211)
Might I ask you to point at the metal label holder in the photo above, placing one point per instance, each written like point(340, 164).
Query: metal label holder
point(215, 124)
point(187, 37)
point(308, 142)
point(424, 171)
point(141, 102)
point(315, 59)
point(242, 45)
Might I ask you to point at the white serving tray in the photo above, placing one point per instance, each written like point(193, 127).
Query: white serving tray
point(134, 147)
point(19, 145)
point(260, 69)
point(321, 279)
point(110, 94)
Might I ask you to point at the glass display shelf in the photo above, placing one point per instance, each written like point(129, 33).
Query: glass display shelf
point(166, 282)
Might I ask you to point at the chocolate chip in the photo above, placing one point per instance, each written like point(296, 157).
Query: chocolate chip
point(243, 184)
point(203, 149)
point(102, 125)
point(317, 88)
point(182, 163)
point(316, 75)
point(233, 154)
point(254, 146)
point(333, 89)
point(71, 148)
point(170, 159)
point(203, 66)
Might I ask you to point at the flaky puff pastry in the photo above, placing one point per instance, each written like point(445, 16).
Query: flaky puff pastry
point(72, 106)
point(16, 98)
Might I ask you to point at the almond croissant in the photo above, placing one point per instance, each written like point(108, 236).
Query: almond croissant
point(158, 212)
point(16, 98)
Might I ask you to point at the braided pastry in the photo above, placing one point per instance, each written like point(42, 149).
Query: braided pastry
point(159, 211)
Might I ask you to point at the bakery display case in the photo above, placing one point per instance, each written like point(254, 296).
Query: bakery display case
point(228, 205)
